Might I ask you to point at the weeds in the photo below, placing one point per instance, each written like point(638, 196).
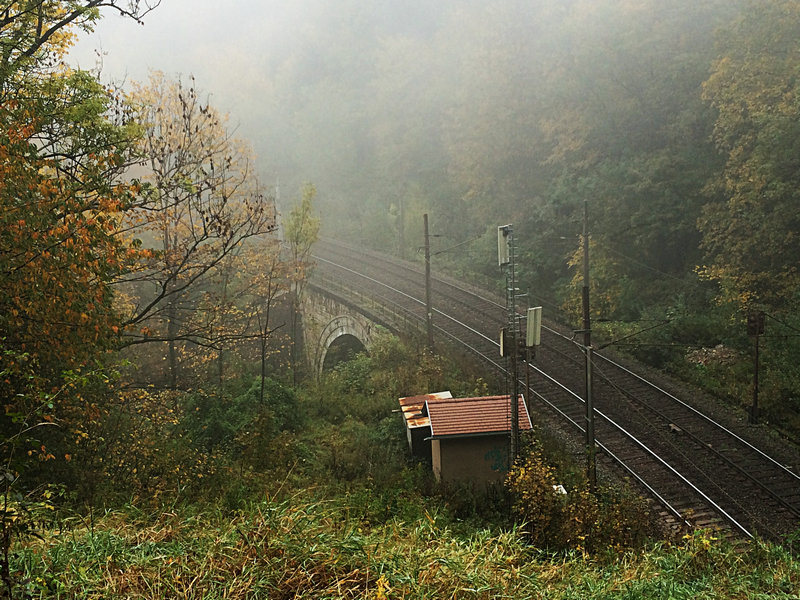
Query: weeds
point(307, 547)
point(560, 519)
point(325, 504)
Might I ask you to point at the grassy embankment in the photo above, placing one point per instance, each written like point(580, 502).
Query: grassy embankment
point(330, 507)
point(298, 547)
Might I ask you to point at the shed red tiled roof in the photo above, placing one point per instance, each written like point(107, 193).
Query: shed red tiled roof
point(474, 416)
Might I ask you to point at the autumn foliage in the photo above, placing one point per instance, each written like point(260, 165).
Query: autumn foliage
point(64, 142)
point(557, 518)
point(58, 253)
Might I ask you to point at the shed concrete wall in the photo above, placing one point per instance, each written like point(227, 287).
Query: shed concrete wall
point(480, 459)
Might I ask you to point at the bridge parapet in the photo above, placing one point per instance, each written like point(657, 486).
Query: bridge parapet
point(379, 309)
point(332, 311)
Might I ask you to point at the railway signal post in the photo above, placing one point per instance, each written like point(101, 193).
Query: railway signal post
point(506, 258)
point(591, 462)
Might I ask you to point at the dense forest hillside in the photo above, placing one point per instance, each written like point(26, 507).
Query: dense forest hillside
point(675, 121)
point(514, 112)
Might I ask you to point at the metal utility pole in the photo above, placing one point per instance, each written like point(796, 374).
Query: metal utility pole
point(428, 308)
point(755, 328)
point(754, 408)
point(528, 376)
point(514, 357)
point(506, 257)
point(401, 231)
point(591, 463)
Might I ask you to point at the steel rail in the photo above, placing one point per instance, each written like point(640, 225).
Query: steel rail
point(715, 424)
point(706, 417)
point(674, 398)
point(647, 486)
point(614, 424)
point(700, 443)
point(659, 414)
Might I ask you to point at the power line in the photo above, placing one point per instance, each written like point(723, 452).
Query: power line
point(469, 241)
point(777, 320)
point(639, 263)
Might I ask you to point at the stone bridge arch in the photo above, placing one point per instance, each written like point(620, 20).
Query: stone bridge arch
point(342, 336)
point(332, 329)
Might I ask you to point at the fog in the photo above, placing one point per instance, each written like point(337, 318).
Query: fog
point(228, 51)
point(253, 59)
point(475, 112)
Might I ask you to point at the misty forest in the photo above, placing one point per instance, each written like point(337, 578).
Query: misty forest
point(161, 435)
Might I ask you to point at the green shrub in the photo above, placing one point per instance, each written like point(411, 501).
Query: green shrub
point(141, 451)
point(579, 520)
point(214, 419)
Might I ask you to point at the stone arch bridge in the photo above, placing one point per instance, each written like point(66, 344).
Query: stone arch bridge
point(337, 324)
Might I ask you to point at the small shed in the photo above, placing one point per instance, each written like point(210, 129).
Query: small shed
point(417, 424)
point(470, 436)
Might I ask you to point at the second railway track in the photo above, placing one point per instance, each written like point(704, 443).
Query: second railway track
point(701, 471)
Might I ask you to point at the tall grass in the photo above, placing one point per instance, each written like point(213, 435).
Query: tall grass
point(305, 547)
point(326, 504)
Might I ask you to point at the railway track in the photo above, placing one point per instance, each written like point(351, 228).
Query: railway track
point(701, 472)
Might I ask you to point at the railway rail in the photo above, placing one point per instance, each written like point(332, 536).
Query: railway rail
point(700, 471)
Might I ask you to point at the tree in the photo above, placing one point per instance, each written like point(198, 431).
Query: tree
point(751, 229)
point(34, 34)
point(58, 250)
point(626, 129)
point(64, 143)
point(268, 283)
point(238, 306)
point(301, 232)
point(201, 204)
